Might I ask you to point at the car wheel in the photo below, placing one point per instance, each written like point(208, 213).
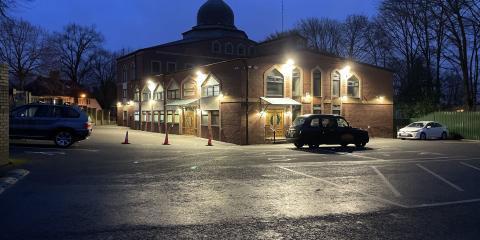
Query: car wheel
point(444, 136)
point(360, 144)
point(298, 145)
point(63, 139)
point(423, 136)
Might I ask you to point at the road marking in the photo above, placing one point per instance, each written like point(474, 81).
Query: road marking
point(445, 203)
point(47, 153)
point(441, 178)
point(385, 180)
point(348, 189)
point(470, 166)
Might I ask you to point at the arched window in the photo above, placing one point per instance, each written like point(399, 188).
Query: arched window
point(317, 83)
point(189, 89)
point(229, 48)
point(296, 83)
point(241, 50)
point(353, 87)
point(173, 91)
point(336, 84)
point(216, 47)
point(146, 94)
point(274, 82)
point(158, 94)
point(211, 87)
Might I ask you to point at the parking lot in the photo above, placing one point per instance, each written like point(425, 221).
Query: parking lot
point(106, 187)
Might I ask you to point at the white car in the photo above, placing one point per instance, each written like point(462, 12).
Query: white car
point(423, 130)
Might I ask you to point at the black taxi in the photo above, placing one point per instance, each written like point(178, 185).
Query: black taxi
point(314, 130)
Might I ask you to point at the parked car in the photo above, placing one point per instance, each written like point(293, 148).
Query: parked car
point(423, 130)
point(314, 130)
point(61, 123)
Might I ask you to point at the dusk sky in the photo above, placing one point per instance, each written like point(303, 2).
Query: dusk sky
point(142, 23)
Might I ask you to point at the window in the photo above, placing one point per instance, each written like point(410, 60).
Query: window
point(173, 91)
point(315, 122)
point(171, 67)
point(146, 95)
point(173, 116)
point(169, 116)
point(136, 97)
point(342, 123)
point(176, 117)
point(317, 109)
point(251, 51)
point(125, 73)
point(204, 119)
point(124, 93)
point(211, 87)
point(229, 48)
point(215, 118)
point(241, 50)
point(317, 83)
point(125, 115)
point(137, 116)
point(155, 117)
point(144, 116)
point(132, 71)
point(296, 83)
point(336, 84)
point(216, 47)
point(353, 87)
point(45, 112)
point(69, 113)
point(189, 89)
point(336, 110)
point(156, 67)
point(158, 96)
point(162, 116)
point(274, 84)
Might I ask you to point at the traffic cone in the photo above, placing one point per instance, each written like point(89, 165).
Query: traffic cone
point(209, 138)
point(166, 137)
point(126, 139)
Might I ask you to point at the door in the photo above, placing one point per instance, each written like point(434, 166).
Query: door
point(189, 123)
point(274, 122)
point(21, 121)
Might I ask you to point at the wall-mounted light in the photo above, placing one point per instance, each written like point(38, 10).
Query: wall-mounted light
point(381, 98)
point(346, 72)
point(151, 85)
point(200, 77)
point(261, 113)
point(83, 95)
point(288, 66)
point(130, 103)
point(307, 98)
point(344, 98)
point(119, 104)
point(221, 96)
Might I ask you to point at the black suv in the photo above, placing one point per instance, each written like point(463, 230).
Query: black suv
point(313, 130)
point(61, 123)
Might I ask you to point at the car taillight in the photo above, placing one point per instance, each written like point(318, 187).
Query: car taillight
point(88, 125)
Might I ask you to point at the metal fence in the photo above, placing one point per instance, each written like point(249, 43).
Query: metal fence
point(460, 124)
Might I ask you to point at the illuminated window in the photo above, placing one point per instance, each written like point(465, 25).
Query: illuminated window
point(353, 87)
point(204, 119)
point(274, 83)
point(137, 116)
point(146, 95)
point(211, 87)
point(317, 83)
point(155, 117)
point(215, 118)
point(296, 83)
point(158, 94)
point(173, 91)
point(162, 116)
point(170, 116)
point(336, 84)
point(136, 96)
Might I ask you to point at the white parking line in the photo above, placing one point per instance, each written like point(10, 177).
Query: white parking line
point(441, 178)
point(343, 187)
point(385, 180)
point(470, 166)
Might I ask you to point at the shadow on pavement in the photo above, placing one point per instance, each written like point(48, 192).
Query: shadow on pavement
point(333, 149)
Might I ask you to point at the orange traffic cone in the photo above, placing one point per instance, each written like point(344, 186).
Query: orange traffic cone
point(166, 137)
point(209, 138)
point(126, 139)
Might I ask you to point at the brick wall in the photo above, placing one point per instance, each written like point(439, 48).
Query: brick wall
point(4, 113)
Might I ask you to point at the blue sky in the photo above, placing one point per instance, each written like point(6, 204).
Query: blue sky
point(142, 23)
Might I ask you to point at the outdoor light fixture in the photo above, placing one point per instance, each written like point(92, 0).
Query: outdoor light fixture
point(344, 98)
point(119, 104)
point(307, 98)
point(130, 102)
point(346, 72)
point(83, 95)
point(151, 85)
point(381, 98)
point(200, 77)
point(221, 96)
point(290, 62)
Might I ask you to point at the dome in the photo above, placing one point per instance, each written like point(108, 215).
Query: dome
point(215, 12)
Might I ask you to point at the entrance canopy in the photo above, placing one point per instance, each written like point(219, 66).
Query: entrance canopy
point(183, 102)
point(280, 101)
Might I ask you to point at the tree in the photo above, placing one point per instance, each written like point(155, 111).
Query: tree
point(324, 35)
point(104, 75)
point(21, 46)
point(355, 30)
point(75, 48)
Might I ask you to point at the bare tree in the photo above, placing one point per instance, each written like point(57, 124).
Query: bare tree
point(104, 75)
point(75, 47)
point(355, 30)
point(21, 46)
point(323, 35)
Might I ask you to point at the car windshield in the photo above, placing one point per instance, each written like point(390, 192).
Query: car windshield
point(298, 121)
point(417, 125)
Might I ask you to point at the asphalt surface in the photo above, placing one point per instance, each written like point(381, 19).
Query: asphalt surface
point(100, 189)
